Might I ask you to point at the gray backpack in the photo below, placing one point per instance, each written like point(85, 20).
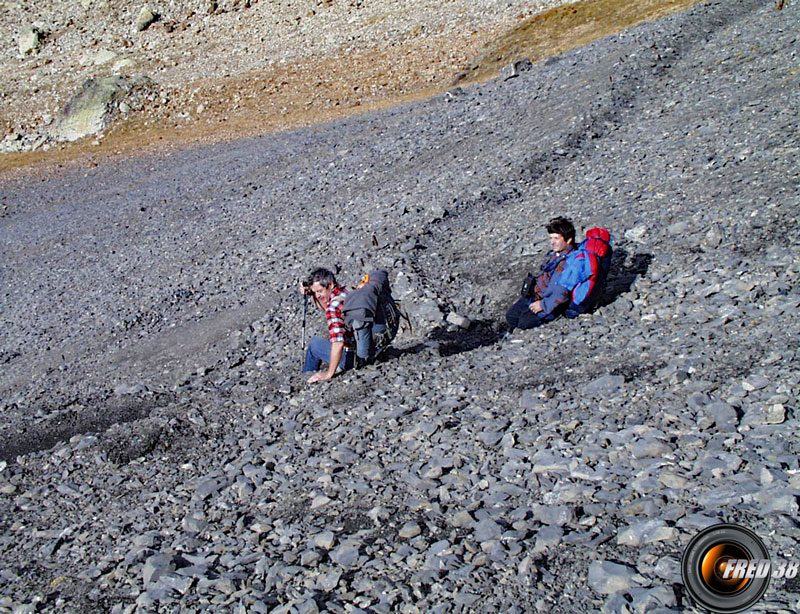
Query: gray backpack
point(372, 303)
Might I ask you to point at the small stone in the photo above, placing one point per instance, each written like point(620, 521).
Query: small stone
point(325, 540)
point(209, 487)
point(755, 382)
point(668, 569)
point(462, 519)
point(308, 607)
point(459, 320)
point(486, 530)
point(548, 537)
point(546, 461)
point(721, 496)
point(557, 515)
point(330, 580)
point(723, 415)
point(345, 555)
point(617, 603)
point(174, 582)
point(410, 530)
point(778, 500)
point(607, 385)
point(650, 599)
point(309, 558)
point(697, 522)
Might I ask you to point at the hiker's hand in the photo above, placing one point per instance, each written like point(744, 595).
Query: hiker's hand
point(321, 376)
point(536, 307)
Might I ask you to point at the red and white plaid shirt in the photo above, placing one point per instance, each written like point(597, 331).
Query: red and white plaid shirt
point(336, 328)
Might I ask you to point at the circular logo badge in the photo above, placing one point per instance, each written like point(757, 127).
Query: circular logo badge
point(725, 568)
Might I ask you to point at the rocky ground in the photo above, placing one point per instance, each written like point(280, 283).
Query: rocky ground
point(232, 67)
point(161, 453)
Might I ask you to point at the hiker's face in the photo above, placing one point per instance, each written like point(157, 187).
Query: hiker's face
point(322, 293)
point(557, 242)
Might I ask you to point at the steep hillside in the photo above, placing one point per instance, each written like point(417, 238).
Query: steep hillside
point(161, 452)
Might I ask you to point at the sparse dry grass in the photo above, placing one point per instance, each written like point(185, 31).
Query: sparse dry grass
point(326, 88)
point(565, 27)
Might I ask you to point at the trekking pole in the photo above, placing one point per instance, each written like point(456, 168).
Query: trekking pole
point(305, 310)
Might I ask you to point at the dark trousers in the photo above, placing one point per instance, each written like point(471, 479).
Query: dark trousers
point(521, 316)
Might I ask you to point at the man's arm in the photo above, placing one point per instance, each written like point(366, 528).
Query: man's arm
point(337, 349)
point(553, 294)
point(556, 295)
point(304, 290)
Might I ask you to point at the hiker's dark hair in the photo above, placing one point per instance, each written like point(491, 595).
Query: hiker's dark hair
point(562, 226)
point(322, 276)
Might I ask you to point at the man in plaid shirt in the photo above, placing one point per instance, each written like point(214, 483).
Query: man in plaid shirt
point(336, 351)
point(549, 299)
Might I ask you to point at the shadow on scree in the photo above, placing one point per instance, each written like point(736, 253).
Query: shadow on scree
point(624, 270)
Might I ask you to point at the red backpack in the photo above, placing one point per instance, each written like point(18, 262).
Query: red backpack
point(587, 269)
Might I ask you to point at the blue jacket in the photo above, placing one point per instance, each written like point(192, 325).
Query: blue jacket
point(548, 290)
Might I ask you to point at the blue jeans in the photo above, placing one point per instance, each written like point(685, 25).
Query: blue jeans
point(319, 351)
point(365, 345)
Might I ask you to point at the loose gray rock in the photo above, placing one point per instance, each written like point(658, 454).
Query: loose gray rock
point(650, 448)
point(645, 533)
point(724, 416)
point(607, 385)
point(606, 577)
point(409, 530)
point(548, 537)
point(459, 320)
point(346, 555)
point(486, 530)
point(155, 567)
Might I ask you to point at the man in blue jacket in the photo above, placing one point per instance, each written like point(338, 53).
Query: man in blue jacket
point(548, 299)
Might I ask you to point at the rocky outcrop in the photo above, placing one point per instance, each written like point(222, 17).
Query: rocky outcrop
point(145, 19)
point(98, 103)
point(29, 39)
